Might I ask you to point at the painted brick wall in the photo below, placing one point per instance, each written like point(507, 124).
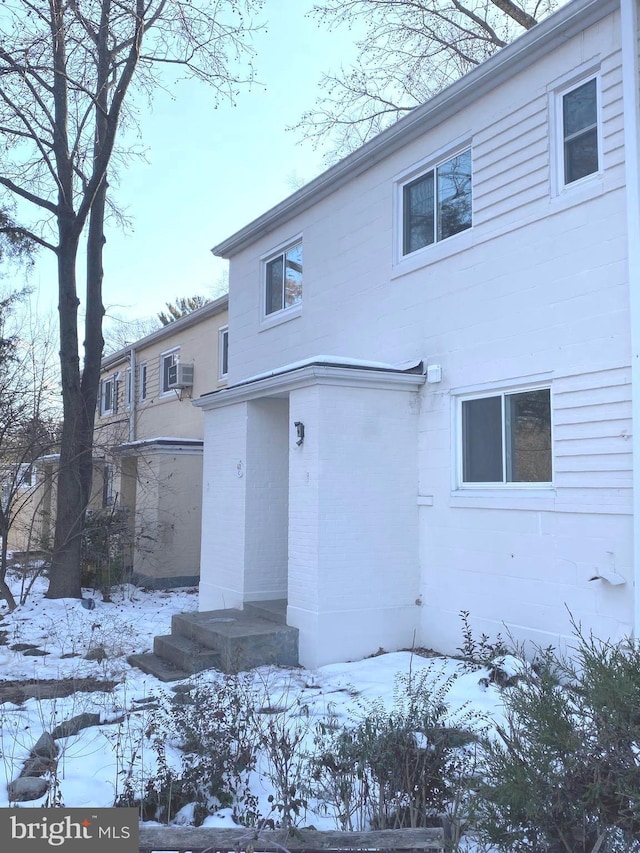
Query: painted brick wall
point(223, 508)
point(353, 558)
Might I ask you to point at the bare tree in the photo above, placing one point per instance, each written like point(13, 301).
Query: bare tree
point(29, 417)
point(410, 50)
point(123, 331)
point(69, 68)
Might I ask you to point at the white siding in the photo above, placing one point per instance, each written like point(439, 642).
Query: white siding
point(536, 291)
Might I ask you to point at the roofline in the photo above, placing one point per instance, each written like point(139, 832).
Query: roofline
point(216, 306)
point(314, 373)
point(528, 48)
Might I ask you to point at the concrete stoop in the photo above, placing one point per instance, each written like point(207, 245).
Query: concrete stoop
point(229, 640)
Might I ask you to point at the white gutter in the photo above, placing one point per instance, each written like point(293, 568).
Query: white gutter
point(630, 82)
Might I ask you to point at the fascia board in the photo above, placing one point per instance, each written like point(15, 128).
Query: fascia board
point(528, 48)
point(283, 383)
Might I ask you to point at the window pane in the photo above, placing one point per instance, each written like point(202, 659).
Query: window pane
point(225, 353)
point(418, 202)
point(580, 129)
point(167, 363)
point(580, 108)
point(454, 195)
point(581, 156)
point(482, 440)
point(273, 298)
point(293, 279)
point(529, 437)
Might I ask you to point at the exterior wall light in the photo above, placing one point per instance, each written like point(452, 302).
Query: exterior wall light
point(299, 432)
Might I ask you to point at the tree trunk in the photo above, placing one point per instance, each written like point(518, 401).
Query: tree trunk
point(5, 592)
point(64, 579)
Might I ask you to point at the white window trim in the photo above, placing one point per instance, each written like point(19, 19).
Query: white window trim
point(223, 332)
point(104, 412)
point(459, 486)
point(562, 88)
point(421, 256)
point(128, 389)
point(175, 352)
point(284, 314)
point(23, 469)
point(143, 378)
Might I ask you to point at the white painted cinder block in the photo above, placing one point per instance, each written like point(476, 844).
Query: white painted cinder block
point(535, 292)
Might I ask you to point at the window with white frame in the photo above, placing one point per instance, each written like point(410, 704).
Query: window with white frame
point(142, 381)
point(107, 486)
point(579, 111)
point(128, 388)
point(223, 352)
point(283, 280)
point(26, 476)
point(108, 396)
point(167, 361)
point(506, 438)
point(437, 203)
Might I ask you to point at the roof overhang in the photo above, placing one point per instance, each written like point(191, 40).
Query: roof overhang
point(516, 57)
point(316, 372)
point(175, 446)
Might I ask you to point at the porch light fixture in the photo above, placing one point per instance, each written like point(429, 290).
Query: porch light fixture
point(299, 432)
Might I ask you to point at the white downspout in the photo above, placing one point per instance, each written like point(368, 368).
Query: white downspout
point(630, 83)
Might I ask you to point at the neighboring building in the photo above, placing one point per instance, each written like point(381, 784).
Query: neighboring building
point(434, 365)
point(148, 444)
point(151, 437)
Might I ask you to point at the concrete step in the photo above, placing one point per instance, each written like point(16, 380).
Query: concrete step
point(160, 668)
point(242, 639)
point(274, 611)
point(185, 654)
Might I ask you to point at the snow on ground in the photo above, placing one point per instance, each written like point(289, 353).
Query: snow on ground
point(93, 763)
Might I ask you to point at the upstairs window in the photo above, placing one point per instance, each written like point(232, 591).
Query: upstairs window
point(128, 388)
point(580, 131)
point(283, 280)
point(506, 438)
point(223, 352)
point(167, 361)
point(437, 204)
point(142, 381)
point(108, 396)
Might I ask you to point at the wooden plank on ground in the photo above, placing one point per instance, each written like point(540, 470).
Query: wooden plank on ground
point(171, 838)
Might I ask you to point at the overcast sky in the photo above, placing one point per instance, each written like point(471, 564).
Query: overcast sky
point(211, 171)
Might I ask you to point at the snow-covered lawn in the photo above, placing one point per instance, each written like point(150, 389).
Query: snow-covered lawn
point(94, 763)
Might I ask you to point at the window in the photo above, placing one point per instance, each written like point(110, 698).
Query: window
point(437, 204)
point(107, 486)
point(167, 361)
point(142, 381)
point(283, 280)
point(108, 396)
point(128, 388)
point(223, 352)
point(580, 131)
point(506, 438)
point(26, 476)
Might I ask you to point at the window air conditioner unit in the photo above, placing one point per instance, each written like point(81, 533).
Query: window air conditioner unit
point(181, 376)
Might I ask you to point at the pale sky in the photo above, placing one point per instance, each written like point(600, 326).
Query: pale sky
point(211, 171)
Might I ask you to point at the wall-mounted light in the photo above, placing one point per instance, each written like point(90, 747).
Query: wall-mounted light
point(299, 432)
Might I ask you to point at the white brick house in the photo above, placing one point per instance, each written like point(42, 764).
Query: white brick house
point(434, 366)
